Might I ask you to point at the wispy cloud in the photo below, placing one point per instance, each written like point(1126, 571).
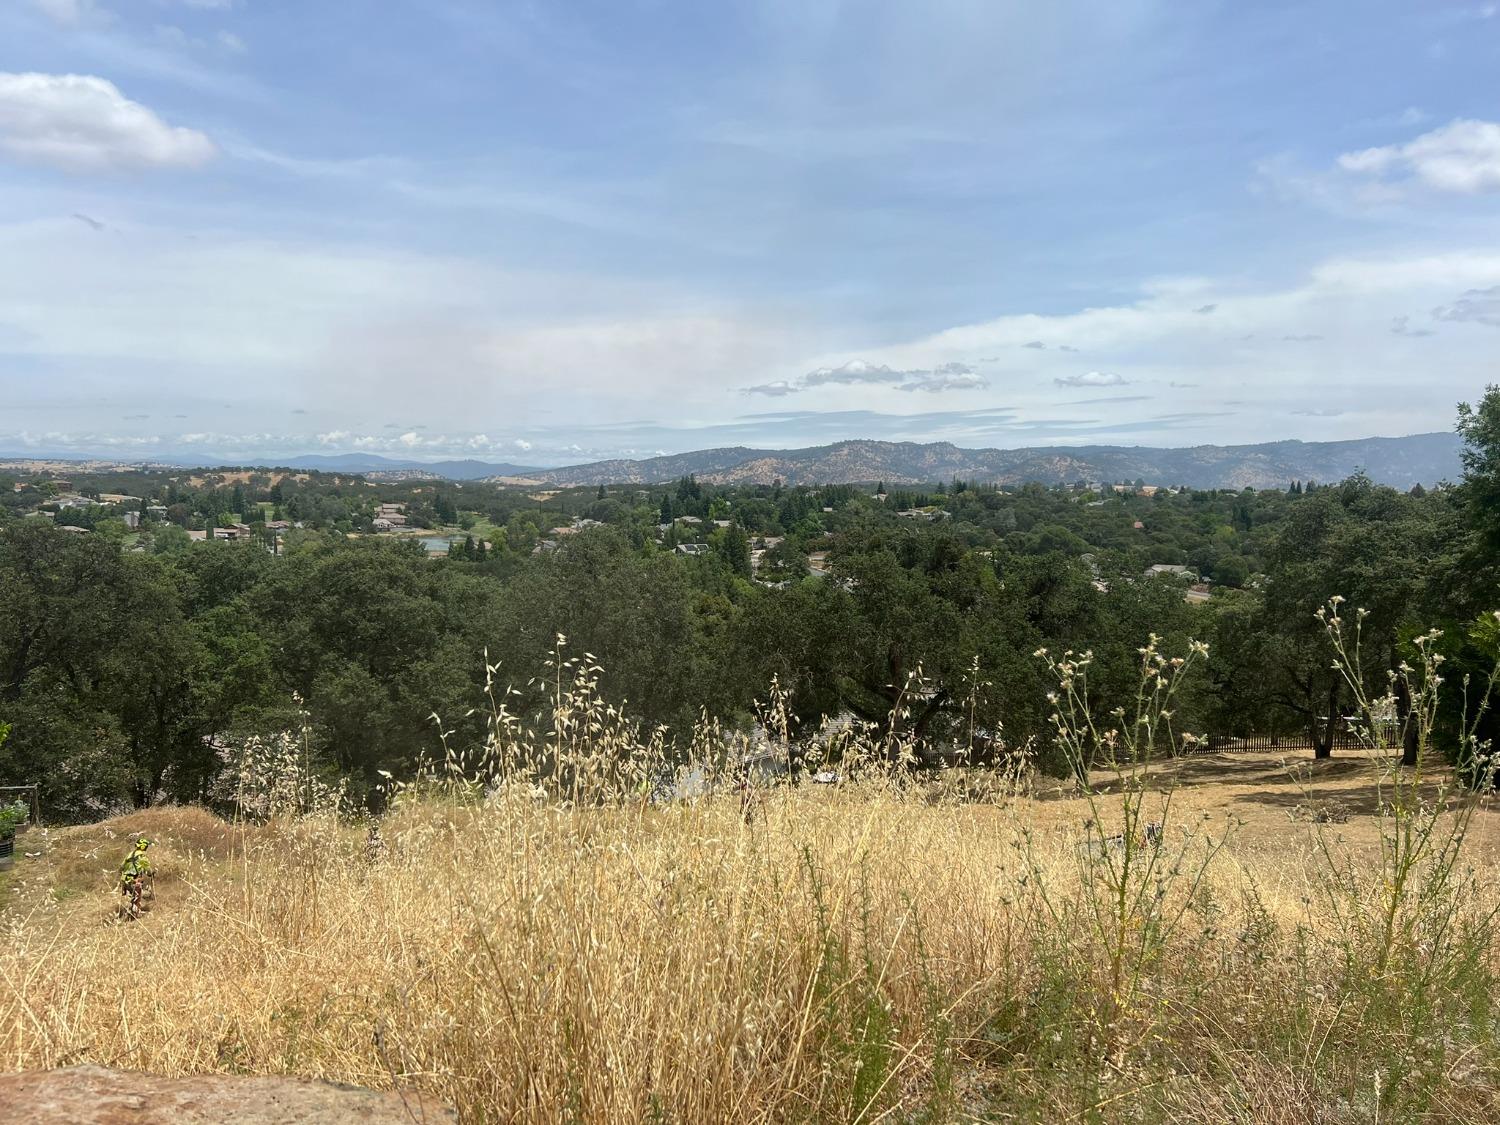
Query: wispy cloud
point(1401, 326)
point(1092, 379)
point(1477, 306)
point(952, 376)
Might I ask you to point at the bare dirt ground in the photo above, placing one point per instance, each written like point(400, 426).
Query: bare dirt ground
point(91, 1095)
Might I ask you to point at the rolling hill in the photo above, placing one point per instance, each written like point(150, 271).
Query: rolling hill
point(1400, 462)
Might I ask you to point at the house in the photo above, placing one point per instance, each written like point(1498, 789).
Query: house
point(1138, 525)
point(117, 498)
point(817, 564)
point(692, 548)
point(132, 520)
point(198, 536)
point(928, 514)
point(394, 514)
point(1197, 593)
point(281, 525)
point(576, 526)
point(1170, 570)
point(379, 523)
point(156, 511)
point(544, 547)
point(74, 530)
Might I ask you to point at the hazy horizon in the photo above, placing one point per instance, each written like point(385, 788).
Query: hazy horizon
point(186, 459)
point(556, 234)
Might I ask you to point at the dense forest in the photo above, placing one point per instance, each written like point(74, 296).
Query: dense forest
point(135, 662)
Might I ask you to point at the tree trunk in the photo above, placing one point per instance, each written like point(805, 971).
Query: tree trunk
point(1410, 734)
point(1323, 744)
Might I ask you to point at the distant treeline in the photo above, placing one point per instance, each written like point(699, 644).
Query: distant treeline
point(134, 664)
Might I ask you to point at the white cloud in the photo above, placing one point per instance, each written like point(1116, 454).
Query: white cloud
point(522, 444)
point(1092, 379)
point(68, 13)
point(80, 123)
point(1477, 306)
point(1462, 156)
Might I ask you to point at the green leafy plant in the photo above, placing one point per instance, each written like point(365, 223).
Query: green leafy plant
point(11, 816)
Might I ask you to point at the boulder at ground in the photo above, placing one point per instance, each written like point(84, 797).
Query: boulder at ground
point(92, 1095)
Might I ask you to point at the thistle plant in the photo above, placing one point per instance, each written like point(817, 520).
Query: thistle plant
point(1137, 883)
point(1413, 947)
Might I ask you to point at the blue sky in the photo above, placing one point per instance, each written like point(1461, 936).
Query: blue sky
point(550, 232)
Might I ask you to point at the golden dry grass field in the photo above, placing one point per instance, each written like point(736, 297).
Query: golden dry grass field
point(867, 952)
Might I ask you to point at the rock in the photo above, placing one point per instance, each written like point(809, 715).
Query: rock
point(92, 1095)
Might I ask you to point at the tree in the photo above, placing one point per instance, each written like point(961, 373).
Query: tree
point(1480, 493)
point(1368, 545)
point(733, 546)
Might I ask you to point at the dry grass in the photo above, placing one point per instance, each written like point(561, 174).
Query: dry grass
point(862, 953)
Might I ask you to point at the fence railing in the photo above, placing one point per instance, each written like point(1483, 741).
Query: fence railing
point(1244, 744)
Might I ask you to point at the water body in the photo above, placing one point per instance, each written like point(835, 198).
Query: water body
point(436, 545)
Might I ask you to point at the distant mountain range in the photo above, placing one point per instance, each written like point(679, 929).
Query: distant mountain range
point(1400, 462)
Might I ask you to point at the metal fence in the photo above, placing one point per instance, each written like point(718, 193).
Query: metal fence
point(1244, 744)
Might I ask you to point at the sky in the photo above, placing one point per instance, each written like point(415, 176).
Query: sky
point(551, 232)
